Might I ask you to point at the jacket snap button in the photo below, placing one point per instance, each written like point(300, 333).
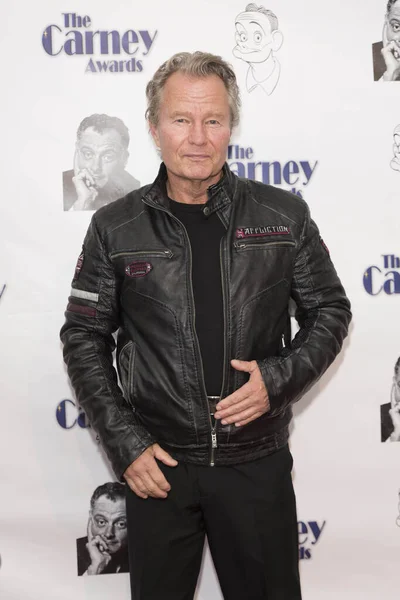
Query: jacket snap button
point(206, 211)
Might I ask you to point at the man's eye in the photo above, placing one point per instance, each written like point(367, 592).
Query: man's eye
point(213, 122)
point(180, 120)
point(87, 155)
point(121, 524)
point(100, 522)
point(243, 37)
point(257, 37)
point(109, 157)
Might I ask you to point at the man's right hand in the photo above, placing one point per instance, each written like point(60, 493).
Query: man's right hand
point(99, 555)
point(391, 53)
point(144, 476)
point(85, 186)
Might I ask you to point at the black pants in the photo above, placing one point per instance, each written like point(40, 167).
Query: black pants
point(248, 513)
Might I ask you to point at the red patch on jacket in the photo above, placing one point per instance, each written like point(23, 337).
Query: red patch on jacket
point(138, 269)
point(79, 264)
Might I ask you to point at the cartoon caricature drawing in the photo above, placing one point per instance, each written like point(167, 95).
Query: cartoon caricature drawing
point(257, 39)
point(395, 162)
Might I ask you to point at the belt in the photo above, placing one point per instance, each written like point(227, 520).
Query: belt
point(212, 402)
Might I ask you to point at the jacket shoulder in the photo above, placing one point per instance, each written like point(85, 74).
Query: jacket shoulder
point(280, 201)
point(121, 211)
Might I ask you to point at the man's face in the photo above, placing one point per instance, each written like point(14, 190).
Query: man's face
point(193, 129)
point(102, 154)
point(396, 382)
point(108, 519)
point(254, 39)
point(392, 25)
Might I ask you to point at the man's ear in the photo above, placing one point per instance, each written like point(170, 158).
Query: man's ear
point(154, 134)
point(125, 156)
point(277, 40)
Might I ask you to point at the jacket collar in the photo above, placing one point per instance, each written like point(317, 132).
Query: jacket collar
point(219, 195)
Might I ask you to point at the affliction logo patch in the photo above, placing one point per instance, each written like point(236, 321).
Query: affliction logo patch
point(79, 264)
point(138, 269)
point(247, 232)
point(325, 247)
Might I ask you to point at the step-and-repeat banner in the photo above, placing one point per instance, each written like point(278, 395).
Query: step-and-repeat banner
point(320, 90)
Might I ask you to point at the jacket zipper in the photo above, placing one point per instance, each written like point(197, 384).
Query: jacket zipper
point(214, 439)
point(196, 340)
point(157, 253)
point(243, 246)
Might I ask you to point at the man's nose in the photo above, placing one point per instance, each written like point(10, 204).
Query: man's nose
point(198, 134)
point(96, 164)
point(109, 532)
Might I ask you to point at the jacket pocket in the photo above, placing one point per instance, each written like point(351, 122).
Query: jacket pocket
point(126, 367)
point(159, 253)
point(243, 246)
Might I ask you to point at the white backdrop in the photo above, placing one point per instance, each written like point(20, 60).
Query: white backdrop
point(326, 109)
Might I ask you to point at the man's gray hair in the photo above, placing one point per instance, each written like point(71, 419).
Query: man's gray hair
point(196, 64)
point(272, 18)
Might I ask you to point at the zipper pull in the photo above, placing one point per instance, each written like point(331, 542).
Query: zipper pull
point(214, 439)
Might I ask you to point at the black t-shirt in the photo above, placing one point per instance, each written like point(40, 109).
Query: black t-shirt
point(205, 235)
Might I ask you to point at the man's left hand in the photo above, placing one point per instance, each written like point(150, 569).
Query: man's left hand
point(248, 402)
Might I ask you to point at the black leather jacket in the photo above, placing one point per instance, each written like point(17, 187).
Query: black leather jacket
point(134, 276)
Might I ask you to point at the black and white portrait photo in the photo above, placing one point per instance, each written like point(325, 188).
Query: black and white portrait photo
point(395, 162)
point(258, 38)
point(98, 176)
point(386, 54)
point(105, 547)
point(390, 412)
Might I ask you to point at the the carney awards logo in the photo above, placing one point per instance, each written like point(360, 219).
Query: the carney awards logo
point(76, 36)
point(68, 415)
point(309, 534)
point(293, 175)
point(383, 278)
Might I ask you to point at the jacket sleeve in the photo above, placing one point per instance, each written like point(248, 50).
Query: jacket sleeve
point(323, 314)
point(92, 316)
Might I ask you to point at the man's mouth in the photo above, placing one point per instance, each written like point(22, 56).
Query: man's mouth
point(197, 156)
point(249, 50)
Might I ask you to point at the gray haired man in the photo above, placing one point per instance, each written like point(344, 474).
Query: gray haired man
point(196, 271)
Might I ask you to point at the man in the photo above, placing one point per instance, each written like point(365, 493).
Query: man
point(390, 412)
point(195, 271)
point(386, 55)
point(105, 549)
point(257, 38)
point(101, 154)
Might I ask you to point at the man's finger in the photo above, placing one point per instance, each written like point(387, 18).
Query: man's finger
point(246, 421)
point(241, 394)
point(135, 488)
point(162, 455)
point(151, 487)
point(234, 408)
point(239, 416)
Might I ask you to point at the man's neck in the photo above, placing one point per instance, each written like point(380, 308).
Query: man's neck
point(189, 191)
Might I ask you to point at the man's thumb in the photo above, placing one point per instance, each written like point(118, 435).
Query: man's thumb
point(242, 365)
point(164, 456)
